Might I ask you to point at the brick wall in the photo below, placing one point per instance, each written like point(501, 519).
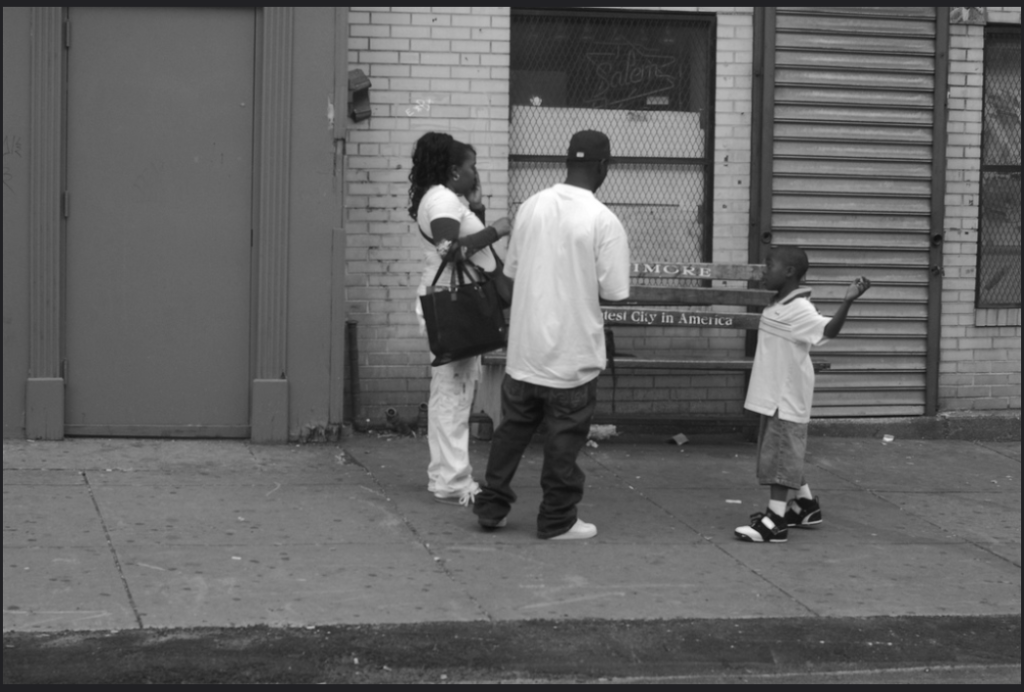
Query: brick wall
point(980, 352)
point(443, 69)
point(447, 69)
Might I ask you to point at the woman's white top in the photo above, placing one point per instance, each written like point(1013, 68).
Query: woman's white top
point(441, 203)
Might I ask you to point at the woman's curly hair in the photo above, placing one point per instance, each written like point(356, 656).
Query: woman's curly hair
point(432, 159)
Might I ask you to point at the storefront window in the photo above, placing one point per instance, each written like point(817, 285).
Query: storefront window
point(999, 235)
point(646, 80)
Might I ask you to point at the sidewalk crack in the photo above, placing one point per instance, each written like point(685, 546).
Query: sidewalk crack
point(879, 495)
point(113, 551)
point(439, 561)
point(998, 451)
point(704, 537)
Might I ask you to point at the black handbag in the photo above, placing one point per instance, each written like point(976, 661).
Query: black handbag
point(465, 319)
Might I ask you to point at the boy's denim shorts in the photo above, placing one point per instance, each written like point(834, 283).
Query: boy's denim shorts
point(781, 447)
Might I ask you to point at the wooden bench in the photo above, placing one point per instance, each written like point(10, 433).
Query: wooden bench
point(666, 305)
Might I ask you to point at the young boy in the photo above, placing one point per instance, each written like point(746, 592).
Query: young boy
point(781, 389)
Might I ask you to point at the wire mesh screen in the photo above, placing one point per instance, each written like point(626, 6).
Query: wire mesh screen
point(646, 81)
point(999, 244)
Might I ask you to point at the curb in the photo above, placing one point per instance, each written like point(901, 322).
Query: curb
point(584, 651)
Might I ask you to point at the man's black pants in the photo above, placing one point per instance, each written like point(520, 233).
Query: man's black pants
point(566, 415)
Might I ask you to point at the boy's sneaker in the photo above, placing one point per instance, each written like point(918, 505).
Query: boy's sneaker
point(580, 530)
point(803, 513)
point(764, 528)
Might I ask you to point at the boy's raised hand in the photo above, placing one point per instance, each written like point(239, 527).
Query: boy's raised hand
point(858, 288)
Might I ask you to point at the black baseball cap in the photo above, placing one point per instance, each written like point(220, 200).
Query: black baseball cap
point(590, 145)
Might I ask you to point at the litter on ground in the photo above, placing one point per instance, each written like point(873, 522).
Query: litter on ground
point(602, 432)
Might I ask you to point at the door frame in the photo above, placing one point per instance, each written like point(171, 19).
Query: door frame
point(45, 401)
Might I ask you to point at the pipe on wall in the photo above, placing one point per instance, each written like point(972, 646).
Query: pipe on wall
point(355, 405)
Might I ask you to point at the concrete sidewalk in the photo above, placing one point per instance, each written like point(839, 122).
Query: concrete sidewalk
point(126, 534)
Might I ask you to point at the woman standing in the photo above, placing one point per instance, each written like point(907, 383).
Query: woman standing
point(443, 170)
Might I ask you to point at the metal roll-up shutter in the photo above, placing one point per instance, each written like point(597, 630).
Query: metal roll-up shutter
point(852, 151)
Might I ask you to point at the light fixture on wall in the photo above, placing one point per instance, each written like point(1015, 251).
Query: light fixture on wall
point(358, 95)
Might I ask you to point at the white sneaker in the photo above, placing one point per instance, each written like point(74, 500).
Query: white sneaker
point(465, 497)
point(579, 531)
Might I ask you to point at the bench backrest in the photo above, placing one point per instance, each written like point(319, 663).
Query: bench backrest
point(647, 297)
point(722, 272)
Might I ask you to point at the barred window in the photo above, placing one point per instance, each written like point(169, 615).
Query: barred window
point(645, 79)
point(999, 233)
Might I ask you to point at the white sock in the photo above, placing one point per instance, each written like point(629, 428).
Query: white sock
point(777, 507)
point(805, 492)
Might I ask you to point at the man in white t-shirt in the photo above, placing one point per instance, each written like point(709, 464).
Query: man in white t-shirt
point(568, 252)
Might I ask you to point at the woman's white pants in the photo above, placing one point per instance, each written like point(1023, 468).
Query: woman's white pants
point(451, 400)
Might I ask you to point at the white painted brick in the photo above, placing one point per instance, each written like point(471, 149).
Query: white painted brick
point(452, 85)
point(372, 56)
point(451, 33)
point(389, 44)
point(430, 45)
point(472, 20)
point(734, 45)
point(496, 60)
point(410, 32)
point(490, 34)
point(439, 59)
point(471, 72)
point(435, 72)
point(431, 19)
point(390, 18)
point(389, 71)
point(471, 46)
point(369, 30)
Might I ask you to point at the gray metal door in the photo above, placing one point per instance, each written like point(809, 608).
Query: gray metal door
point(159, 209)
point(852, 181)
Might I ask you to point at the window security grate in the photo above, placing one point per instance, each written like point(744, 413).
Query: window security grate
point(644, 79)
point(999, 236)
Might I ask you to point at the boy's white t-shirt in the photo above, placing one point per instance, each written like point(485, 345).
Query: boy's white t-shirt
point(783, 376)
point(441, 203)
point(566, 251)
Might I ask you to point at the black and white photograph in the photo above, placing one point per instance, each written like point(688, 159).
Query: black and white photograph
point(512, 345)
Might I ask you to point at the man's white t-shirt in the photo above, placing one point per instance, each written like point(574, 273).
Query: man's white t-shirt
point(566, 251)
point(441, 203)
point(783, 376)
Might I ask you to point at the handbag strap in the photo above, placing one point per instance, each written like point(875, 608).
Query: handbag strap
point(440, 269)
point(460, 262)
point(459, 273)
point(444, 263)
